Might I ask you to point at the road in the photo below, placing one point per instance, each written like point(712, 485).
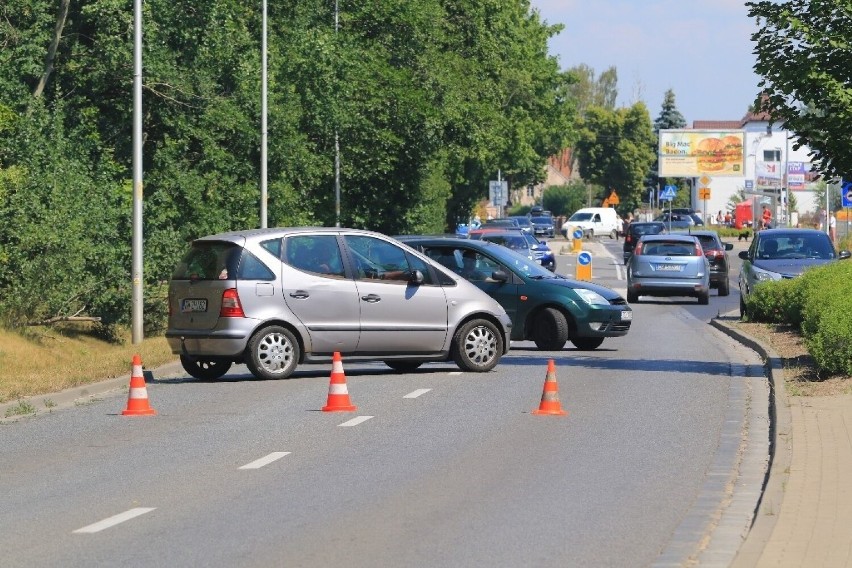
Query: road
point(658, 462)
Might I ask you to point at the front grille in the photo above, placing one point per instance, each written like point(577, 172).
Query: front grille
point(614, 326)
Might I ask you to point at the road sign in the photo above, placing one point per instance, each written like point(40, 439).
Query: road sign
point(749, 184)
point(668, 193)
point(703, 193)
point(583, 270)
point(578, 233)
point(497, 192)
point(704, 180)
point(846, 193)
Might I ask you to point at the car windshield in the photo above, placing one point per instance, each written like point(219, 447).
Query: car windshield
point(581, 217)
point(520, 263)
point(209, 260)
point(784, 245)
point(515, 242)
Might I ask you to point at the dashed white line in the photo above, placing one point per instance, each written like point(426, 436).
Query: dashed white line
point(115, 519)
point(416, 393)
point(266, 460)
point(355, 421)
point(452, 373)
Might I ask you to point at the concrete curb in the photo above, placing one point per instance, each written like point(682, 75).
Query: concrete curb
point(780, 456)
point(46, 403)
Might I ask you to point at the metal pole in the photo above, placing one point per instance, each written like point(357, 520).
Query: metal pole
point(263, 127)
point(785, 192)
point(336, 141)
point(137, 296)
point(500, 200)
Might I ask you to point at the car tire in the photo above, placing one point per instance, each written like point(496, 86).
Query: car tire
point(273, 353)
point(550, 330)
point(632, 297)
point(403, 366)
point(477, 346)
point(724, 288)
point(204, 369)
point(613, 235)
point(587, 343)
point(704, 298)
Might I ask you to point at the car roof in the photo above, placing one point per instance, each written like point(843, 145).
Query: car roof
point(448, 241)
point(280, 232)
point(788, 231)
point(683, 237)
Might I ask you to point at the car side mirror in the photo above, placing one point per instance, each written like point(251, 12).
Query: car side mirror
point(844, 254)
point(743, 254)
point(729, 246)
point(500, 276)
point(416, 277)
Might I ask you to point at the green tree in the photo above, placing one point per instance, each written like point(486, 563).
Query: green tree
point(669, 118)
point(564, 199)
point(803, 56)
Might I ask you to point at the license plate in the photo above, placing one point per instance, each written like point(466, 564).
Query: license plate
point(669, 267)
point(626, 315)
point(193, 305)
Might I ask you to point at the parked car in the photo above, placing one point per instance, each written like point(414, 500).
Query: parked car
point(540, 251)
point(783, 253)
point(514, 239)
point(716, 252)
point(546, 308)
point(503, 222)
point(676, 221)
point(635, 230)
point(668, 265)
point(523, 222)
point(275, 298)
point(543, 226)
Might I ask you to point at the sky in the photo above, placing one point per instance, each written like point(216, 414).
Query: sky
point(701, 49)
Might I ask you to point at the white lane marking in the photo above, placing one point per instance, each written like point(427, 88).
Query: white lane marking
point(356, 421)
point(416, 393)
point(115, 519)
point(455, 373)
point(266, 460)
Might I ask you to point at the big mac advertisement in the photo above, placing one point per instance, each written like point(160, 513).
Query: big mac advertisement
point(693, 153)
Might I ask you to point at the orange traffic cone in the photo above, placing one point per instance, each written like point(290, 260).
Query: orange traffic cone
point(137, 399)
point(550, 396)
point(338, 394)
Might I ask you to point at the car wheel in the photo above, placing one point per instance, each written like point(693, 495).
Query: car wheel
point(550, 330)
point(477, 346)
point(403, 366)
point(204, 369)
point(273, 353)
point(614, 234)
point(587, 343)
point(632, 296)
point(724, 287)
point(704, 298)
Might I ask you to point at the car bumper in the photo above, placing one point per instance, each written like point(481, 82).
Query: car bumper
point(656, 287)
point(229, 342)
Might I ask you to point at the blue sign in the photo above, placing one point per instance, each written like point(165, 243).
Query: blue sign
point(578, 233)
point(846, 193)
point(584, 258)
point(668, 193)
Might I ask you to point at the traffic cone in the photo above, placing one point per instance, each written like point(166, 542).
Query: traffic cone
point(338, 394)
point(550, 395)
point(137, 398)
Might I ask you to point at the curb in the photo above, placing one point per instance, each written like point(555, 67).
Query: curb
point(75, 396)
point(780, 455)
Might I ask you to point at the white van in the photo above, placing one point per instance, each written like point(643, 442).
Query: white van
point(595, 221)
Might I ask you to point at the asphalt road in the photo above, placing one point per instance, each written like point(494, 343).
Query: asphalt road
point(659, 462)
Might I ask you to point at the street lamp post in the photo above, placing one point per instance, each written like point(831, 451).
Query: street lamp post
point(336, 141)
point(263, 126)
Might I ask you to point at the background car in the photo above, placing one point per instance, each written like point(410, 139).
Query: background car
point(523, 222)
point(635, 230)
point(546, 308)
point(503, 222)
point(538, 249)
point(675, 221)
point(783, 253)
point(543, 226)
point(716, 252)
point(668, 265)
point(274, 298)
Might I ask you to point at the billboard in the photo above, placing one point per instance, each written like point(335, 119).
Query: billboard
point(801, 176)
point(694, 153)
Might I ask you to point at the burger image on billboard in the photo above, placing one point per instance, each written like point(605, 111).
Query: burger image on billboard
point(711, 154)
point(733, 148)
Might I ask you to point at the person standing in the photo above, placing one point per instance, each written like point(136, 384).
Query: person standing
point(766, 218)
point(832, 228)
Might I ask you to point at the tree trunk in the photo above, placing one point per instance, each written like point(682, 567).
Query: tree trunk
point(61, 18)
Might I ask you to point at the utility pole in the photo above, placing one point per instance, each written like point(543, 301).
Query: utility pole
point(137, 296)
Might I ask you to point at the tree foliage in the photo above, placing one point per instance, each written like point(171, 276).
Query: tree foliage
point(426, 100)
point(803, 55)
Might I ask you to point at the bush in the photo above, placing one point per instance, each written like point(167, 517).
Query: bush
point(775, 302)
point(826, 325)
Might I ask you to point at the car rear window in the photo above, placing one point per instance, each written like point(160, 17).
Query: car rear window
point(668, 248)
point(646, 229)
point(708, 242)
point(216, 260)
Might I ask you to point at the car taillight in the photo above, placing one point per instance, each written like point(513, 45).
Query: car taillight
point(638, 249)
point(628, 239)
point(231, 307)
point(698, 250)
point(711, 254)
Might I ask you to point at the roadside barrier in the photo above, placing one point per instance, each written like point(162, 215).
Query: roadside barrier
point(550, 395)
point(338, 394)
point(137, 398)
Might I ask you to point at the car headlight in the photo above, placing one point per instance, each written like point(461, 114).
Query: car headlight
point(761, 275)
point(591, 297)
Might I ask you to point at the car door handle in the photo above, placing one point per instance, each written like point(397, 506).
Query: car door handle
point(299, 294)
point(372, 298)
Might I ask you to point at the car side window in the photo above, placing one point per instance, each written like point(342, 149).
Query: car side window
point(376, 259)
point(318, 254)
point(251, 268)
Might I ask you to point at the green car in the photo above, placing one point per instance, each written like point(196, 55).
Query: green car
point(546, 308)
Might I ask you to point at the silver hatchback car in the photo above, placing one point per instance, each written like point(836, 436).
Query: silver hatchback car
point(274, 298)
point(668, 265)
